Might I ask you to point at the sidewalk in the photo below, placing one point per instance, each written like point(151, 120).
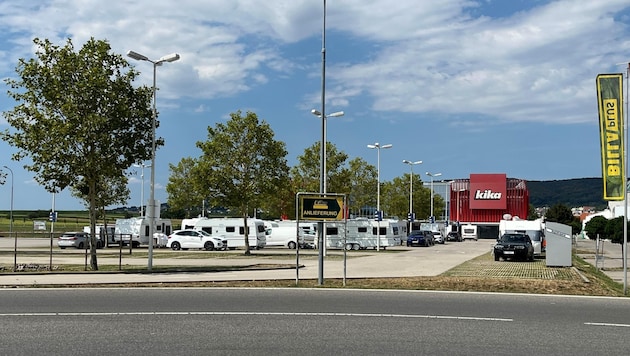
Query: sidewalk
point(609, 259)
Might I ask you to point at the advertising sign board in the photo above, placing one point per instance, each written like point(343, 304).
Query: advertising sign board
point(488, 191)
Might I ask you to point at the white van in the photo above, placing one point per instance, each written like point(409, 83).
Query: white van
point(232, 230)
point(286, 233)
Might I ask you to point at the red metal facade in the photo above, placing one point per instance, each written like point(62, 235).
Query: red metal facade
point(517, 203)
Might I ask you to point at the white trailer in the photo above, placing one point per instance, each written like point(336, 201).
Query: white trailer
point(286, 234)
point(136, 230)
point(534, 228)
point(361, 233)
point(469, 232)
point(232, 230)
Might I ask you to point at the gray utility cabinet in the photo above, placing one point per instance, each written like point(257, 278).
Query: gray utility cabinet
point(558, 238)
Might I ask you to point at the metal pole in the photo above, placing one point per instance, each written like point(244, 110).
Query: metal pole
point(151, 205)
point(322, 182)
point(411, 192)
point(11, 213)
point(378, 198)
point(431, 197)
point(625, 189)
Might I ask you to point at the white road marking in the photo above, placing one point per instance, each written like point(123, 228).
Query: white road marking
point(411, 316)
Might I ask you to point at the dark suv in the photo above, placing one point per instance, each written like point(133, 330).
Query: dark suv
point(514, 246)
point(420, 238)
point(454, 236)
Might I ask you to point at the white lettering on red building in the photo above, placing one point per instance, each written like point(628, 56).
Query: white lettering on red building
point(487, 195)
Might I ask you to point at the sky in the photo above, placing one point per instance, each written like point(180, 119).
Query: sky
point(466, 86)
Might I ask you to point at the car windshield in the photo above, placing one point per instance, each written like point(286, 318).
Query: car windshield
point(514, 238)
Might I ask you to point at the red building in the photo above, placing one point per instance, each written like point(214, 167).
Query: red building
point(484, 199)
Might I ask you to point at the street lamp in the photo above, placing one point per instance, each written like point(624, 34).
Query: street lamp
point(143, 166)
point(411, 164)
point(324, 173)
point(378, 148)
point(151, 206)
point(11, 213)
point(432, 175)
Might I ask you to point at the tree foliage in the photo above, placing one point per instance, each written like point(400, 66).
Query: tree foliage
point(183, 194)
point(243, 162)
point(78, 119)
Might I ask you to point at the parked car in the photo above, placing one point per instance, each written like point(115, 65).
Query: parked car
point(454, 236)
point(420, 238)
point(189, 238)
point(514, 246)
point(437, 237)
point(77, 239)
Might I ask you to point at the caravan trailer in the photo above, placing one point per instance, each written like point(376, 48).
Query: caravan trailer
point(361, 234)
point(391, 232)
point(136, 230)
point(231, 229)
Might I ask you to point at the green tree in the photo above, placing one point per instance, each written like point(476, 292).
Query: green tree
point(596, 227)
point(183, 194)
point(242, 160)
point(562, 214)
point(307, 173)
point(78, 118)
point(363, 185)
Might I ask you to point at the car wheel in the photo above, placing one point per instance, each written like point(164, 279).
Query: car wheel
point(80, 245)
point(408, 244)
point(496, 257)
point(356, 247)
point(292, 245)
point(208, 246)
point(176, 246)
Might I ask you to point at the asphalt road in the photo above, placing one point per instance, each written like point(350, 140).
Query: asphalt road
point(307, 322)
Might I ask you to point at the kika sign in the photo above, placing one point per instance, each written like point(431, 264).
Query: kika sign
point(321, 208)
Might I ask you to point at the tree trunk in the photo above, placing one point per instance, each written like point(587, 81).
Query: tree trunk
point(246, 231)
point(92, 210)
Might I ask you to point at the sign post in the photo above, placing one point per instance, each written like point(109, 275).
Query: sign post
point(321, 208)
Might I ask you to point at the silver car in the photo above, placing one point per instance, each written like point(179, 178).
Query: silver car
point(437, 237)
point(76, 239)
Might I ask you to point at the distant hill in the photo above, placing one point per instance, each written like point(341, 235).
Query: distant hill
point(570, 192)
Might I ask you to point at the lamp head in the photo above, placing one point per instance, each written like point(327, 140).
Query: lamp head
point(137, 56)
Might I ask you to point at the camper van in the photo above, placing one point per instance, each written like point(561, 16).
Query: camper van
point(469, 232)
point(231, 229)
point(136, 230)
point(534, 228)
point(285, 233)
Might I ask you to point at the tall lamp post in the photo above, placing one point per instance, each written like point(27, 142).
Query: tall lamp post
point(151, 205)
point(378, 148)
point(324, 174)
point(142, 166)
point(11, 213)
point(411, 164)
point(432, 175)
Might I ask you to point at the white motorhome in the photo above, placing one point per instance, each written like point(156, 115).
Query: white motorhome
point(285, 233)
point(136, 230)
point(469, 232)
point(231, 229)
point(534, 228)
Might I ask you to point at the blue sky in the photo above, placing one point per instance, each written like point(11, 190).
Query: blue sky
point(466, 86)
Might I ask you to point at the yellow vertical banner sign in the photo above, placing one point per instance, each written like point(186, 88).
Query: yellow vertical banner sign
point(611, 133)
